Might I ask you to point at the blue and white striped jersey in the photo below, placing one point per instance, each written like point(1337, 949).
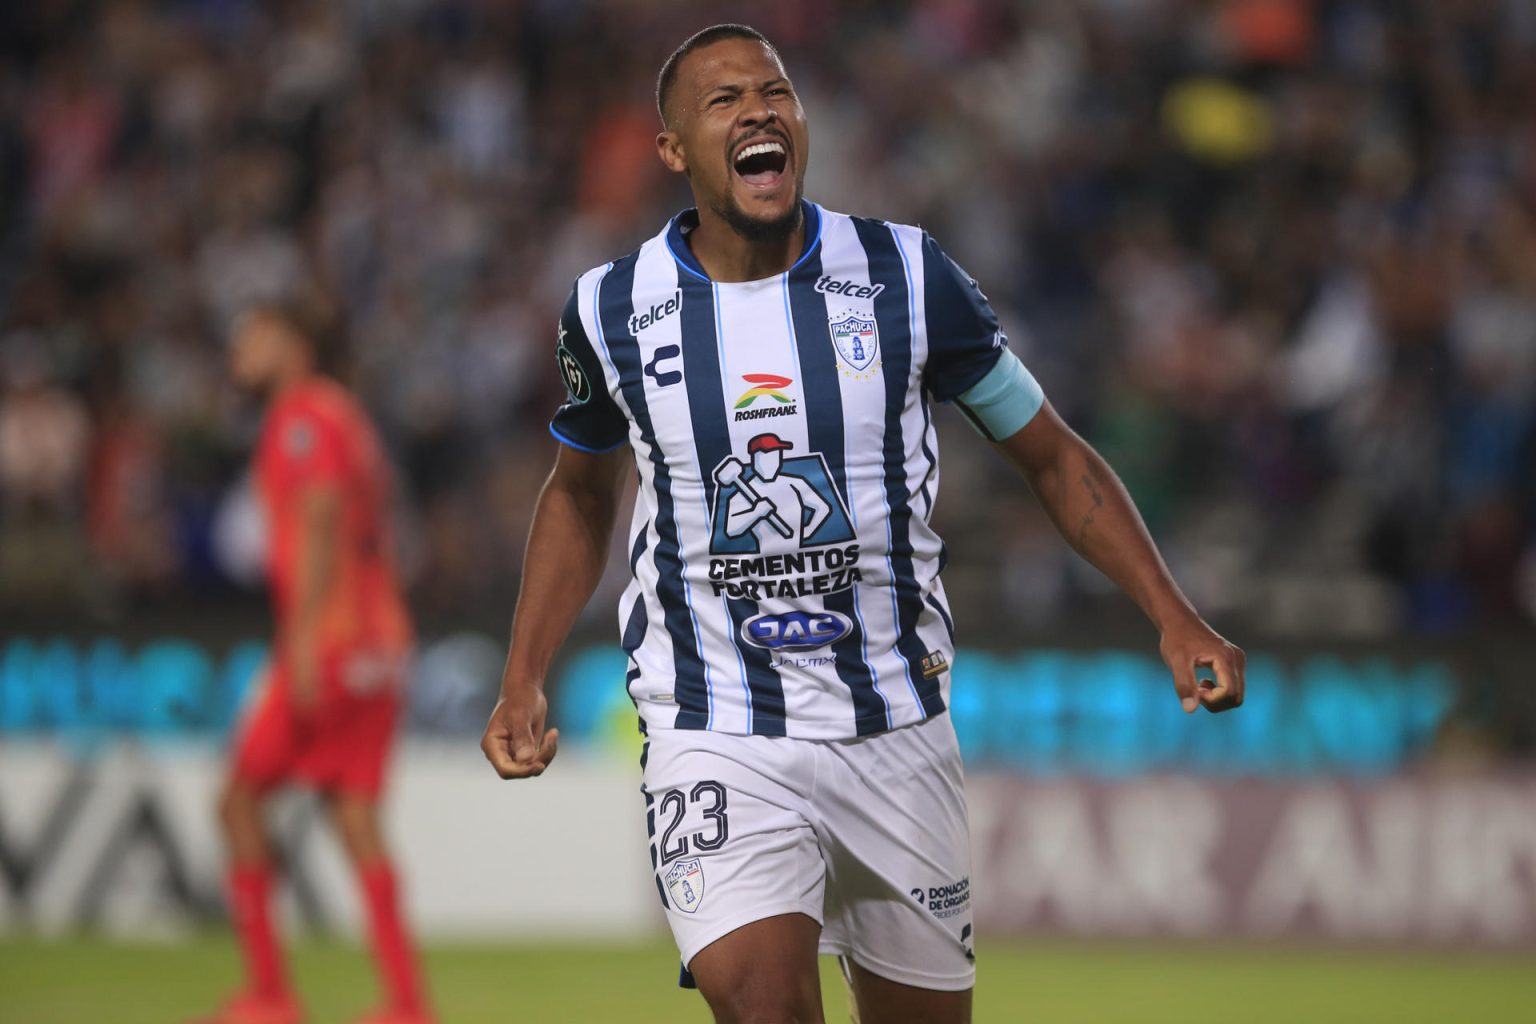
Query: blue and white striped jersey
point(786, 578)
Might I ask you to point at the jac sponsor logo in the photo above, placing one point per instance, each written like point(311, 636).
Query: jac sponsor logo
point(657, 313)
point(795, 631)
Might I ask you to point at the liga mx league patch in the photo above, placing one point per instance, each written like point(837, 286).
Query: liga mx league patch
point(857, 339)
point(573, 375)
point(685, 881)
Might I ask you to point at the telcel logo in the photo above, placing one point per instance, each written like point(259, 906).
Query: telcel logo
point(795, 631)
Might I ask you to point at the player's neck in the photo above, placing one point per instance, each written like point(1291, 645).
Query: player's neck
point(728, 256)
point(289, 378)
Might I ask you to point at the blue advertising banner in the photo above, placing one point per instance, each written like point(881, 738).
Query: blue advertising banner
point(1040, 712)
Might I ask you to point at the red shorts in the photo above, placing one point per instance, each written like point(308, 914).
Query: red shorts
point(343, 744)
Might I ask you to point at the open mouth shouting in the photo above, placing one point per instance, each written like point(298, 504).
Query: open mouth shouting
point(762, 162)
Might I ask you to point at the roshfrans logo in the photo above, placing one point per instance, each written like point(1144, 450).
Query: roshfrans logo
point(765, 385)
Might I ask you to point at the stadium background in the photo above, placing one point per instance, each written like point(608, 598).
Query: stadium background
point(1276, 258)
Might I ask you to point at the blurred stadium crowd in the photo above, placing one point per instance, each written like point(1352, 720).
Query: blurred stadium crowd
point(1277, 258)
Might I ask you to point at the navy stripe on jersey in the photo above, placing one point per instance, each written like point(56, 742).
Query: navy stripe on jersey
point(634, 630)
point(642, 540)
point(819, 375)
point(639, 622)
point(931, 456)
point(702, 339)
point(893, 310)
point(965, 339)
point(615, 302)
point(639, 618)
point(949, 623)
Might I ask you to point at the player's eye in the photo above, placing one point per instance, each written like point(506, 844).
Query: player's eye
point(721, 99)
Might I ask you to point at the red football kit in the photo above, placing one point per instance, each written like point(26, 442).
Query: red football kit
point(316, 435)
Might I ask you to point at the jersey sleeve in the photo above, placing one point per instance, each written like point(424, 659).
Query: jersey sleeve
point(309, 449)
point(589, 420)
point(965, 339)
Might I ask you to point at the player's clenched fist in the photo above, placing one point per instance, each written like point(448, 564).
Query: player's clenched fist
point(1193, 645)
point(516, 742)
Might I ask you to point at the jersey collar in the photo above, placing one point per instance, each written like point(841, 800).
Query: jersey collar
point(678, 228)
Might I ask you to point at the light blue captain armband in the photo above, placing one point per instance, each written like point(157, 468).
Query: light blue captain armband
point(1001, 403)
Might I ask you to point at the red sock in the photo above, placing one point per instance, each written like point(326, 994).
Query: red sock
point(391, 947)
point(249, 892)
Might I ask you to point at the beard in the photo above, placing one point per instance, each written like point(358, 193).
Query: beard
point(755, 229)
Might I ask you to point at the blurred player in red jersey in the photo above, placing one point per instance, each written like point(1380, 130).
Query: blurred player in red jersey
point(324, 713)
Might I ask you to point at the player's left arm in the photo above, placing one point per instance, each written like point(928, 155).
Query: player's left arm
point(319, 543)
point(1094, 512)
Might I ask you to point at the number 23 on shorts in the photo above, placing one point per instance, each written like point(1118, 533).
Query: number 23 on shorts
point(710, 799)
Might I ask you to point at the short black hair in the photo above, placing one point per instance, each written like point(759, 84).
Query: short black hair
point(704, 37)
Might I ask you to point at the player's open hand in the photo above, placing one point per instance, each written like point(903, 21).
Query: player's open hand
point(516, 742)
point(1192, 645)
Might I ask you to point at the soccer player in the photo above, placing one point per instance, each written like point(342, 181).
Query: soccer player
point(325, 711)
point(802, 782)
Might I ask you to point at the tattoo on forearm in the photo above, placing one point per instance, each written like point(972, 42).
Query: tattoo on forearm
point(1092, 487)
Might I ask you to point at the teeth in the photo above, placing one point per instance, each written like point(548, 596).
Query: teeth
point(761, 147)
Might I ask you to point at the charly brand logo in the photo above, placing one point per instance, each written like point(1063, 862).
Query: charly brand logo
point(571, 372)
point(653, 370)
point(790, 632)
point(685, 881)
point(856, 336)
point(658, 312)
point(765, 385)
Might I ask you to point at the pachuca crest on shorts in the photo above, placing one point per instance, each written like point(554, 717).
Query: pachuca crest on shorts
point(786, 578)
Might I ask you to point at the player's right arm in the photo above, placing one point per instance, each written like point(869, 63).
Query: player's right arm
point(567, 549)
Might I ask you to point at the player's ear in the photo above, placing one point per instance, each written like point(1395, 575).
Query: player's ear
point(669, 146)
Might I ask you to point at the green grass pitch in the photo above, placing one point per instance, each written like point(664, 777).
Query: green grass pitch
point(86, 981)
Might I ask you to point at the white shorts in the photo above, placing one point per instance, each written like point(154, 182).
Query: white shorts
point(867, 836)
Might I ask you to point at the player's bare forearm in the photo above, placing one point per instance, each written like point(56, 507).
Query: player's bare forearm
point(319, 545)
point(567, 550)
point(1095, 514)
